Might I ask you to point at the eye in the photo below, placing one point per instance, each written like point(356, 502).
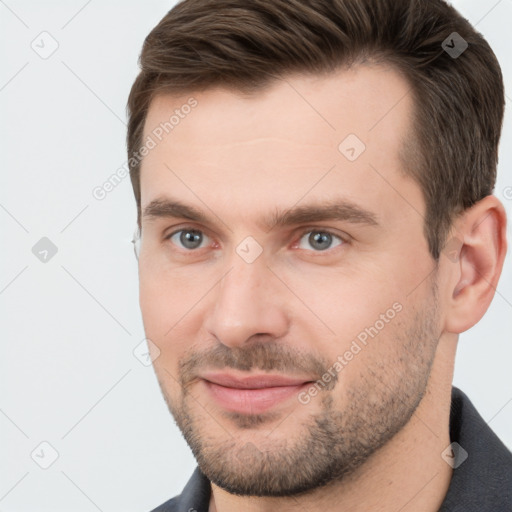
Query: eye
point(188, 238)
point(191, 239)
point(320, 239)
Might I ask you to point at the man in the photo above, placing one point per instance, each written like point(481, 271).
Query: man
point(314, 184)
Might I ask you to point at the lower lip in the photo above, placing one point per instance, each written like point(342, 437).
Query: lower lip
point(252, 401)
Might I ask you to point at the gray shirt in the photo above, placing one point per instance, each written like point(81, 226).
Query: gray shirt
point(481, 480)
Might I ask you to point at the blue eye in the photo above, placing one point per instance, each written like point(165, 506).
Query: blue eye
point(189, 238)
point(320, 240)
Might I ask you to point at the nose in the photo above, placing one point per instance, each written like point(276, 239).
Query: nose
point(248, 301)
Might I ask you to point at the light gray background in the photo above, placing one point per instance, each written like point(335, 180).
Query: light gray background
point(69, 326)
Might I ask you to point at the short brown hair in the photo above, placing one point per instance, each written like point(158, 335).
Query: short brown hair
point(246, 45)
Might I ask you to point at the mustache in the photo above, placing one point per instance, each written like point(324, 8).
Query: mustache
point(267, 357)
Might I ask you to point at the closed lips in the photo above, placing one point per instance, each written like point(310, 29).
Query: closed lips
point(254, 381)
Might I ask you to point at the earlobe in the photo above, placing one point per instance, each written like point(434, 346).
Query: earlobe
point(477, 262)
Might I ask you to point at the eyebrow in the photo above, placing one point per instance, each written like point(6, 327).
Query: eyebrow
point(332, 210)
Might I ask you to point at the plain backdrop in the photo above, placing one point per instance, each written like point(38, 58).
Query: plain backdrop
point(71, 323)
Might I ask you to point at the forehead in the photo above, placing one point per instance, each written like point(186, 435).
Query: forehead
point(349, 100)
point(297, 137)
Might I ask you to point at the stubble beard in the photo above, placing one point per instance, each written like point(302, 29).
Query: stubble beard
point(327, 446)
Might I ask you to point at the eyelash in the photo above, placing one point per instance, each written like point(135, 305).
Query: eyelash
point(344, 239)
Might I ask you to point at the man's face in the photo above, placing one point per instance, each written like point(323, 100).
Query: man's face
point(345, 301)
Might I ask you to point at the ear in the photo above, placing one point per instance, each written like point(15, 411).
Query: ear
point(476, 252)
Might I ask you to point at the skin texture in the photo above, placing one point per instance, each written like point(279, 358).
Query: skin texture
point(373, 437)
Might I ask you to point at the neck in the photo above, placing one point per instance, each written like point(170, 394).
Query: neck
point(407, 474)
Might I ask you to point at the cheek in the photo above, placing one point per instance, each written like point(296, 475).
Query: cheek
point(357, 319)
point(345, 301)
point(169, 318)
point(158, 314)
point(168, 379)
point(163, 301)
point(152, 298)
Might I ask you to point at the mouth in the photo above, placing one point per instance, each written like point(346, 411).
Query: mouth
point(252, 394)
